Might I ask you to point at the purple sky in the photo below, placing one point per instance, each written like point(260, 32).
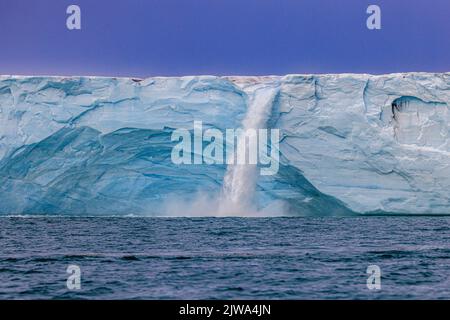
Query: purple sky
point(240, 37)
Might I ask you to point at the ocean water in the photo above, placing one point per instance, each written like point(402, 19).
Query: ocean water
point(224, 258)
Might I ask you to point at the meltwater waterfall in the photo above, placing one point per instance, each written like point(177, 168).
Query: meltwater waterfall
point(240, 179)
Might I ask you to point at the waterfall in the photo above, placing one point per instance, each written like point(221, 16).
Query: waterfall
point(240, 179)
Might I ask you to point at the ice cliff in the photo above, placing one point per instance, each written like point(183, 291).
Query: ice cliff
point(350, 143)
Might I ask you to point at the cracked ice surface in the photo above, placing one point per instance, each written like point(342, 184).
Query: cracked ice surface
point(350, 142)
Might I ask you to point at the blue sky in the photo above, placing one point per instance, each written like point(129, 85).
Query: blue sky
point(240, 37)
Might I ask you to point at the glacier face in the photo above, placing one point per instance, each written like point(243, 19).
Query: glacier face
point(350, 143)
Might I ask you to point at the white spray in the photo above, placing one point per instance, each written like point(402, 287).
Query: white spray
point(240, 179)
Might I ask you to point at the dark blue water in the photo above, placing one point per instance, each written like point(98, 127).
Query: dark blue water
point(225, 258)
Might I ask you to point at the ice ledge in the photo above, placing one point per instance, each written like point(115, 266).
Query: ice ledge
point(341, 132)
